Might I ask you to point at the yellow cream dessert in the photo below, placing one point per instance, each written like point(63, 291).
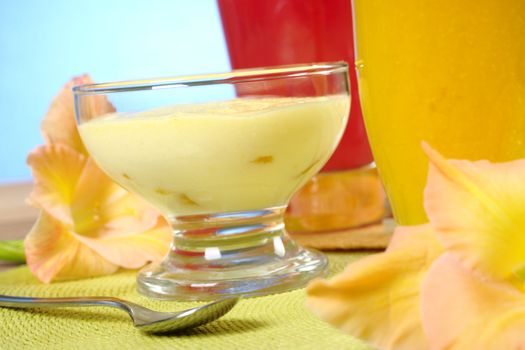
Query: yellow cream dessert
point(235, 155)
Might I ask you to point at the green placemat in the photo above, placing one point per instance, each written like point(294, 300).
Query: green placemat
point(277, 321)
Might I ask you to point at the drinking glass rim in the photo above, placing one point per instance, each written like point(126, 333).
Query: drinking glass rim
point(231, 77)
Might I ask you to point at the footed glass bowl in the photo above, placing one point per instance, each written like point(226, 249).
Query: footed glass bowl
point(220, 156)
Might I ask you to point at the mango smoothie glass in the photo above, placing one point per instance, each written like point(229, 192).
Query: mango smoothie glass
point(221, 168)
point(451, 73)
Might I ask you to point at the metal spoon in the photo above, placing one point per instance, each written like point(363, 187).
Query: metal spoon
point(144, 319)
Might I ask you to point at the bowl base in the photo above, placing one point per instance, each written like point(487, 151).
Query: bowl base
point(244, 253)
point(237, 253)
point(156, 281)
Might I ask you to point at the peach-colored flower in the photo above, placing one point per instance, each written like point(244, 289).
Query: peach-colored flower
point(456, 283)
point(473, 297)
point(89, 226)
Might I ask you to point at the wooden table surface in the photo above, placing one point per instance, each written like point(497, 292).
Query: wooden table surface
point(16, 216)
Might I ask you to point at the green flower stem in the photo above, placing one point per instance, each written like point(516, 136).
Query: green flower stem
point(12, 251)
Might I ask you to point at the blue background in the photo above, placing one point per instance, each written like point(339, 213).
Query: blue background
point(44, 43)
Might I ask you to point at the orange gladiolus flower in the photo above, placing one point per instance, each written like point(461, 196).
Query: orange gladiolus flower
point(89, 226)
point(455, 283)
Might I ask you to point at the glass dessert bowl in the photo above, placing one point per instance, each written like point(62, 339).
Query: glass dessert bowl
point(220, 156)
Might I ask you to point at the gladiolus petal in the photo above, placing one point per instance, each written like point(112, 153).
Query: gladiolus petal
point(101, 207)
point(477, 211)
point(53, 253)
point(465, 310)
point(56, 171)
point(377, 298)
point(132, 251)
point(59, 124)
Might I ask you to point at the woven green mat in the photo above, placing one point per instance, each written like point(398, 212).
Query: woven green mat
point(277, 321)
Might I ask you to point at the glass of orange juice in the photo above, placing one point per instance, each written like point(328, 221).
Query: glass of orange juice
point(448, 72)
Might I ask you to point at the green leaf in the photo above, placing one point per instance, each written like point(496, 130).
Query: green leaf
point(12, 251)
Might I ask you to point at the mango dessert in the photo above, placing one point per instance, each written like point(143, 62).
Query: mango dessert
point(235, 155)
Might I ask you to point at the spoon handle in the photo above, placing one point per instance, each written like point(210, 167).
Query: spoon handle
point(25, 302)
